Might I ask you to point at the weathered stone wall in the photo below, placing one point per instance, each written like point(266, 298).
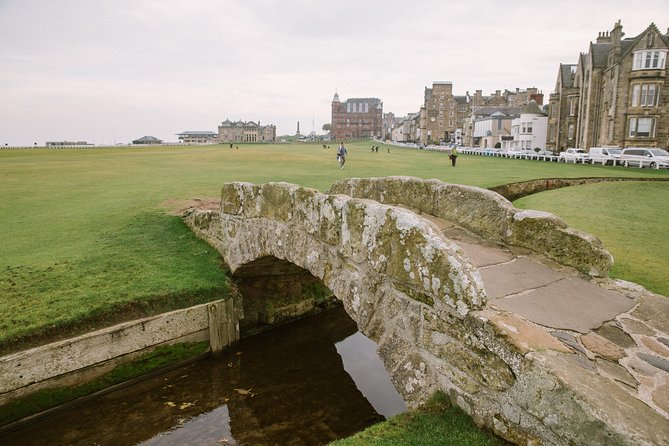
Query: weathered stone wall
point(384, 263)
point(413, 292)
point(514, 191)
point(488, 215)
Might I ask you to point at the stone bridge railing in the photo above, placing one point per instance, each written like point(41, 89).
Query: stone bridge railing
point(488, 215)
point(413, 292)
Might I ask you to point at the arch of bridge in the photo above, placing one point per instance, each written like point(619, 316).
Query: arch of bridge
point(394, 272)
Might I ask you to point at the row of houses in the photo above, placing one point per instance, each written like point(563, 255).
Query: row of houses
point(473, 120)
point(617, 94)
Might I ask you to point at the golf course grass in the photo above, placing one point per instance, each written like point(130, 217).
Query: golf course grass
point(87, 234)
point(630, 218)
point(90, 237)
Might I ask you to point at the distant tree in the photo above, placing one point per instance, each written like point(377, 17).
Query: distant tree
point(537, 149)
point(498, 145)
point(327, 127)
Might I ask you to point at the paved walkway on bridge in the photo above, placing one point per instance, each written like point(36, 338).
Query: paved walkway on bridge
point(617, 329)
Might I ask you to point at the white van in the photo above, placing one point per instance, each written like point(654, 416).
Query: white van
point(605, 155)
point(645, 157)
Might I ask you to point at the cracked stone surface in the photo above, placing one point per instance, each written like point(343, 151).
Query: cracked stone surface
point(567, 304)
point(517, 276)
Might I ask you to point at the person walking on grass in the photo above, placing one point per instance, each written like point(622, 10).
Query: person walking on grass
point(341, 155)
point(453, 156)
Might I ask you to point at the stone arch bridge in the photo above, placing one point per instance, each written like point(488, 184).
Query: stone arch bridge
point(510, 312)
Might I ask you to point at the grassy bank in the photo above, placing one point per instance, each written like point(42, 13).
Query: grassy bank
point(437, 423)
point(629, 218)
point(85, 232)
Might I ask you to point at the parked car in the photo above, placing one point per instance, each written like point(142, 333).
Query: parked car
point(605, 155)
point(573, 156)
point(645, 157)
point(513, 153)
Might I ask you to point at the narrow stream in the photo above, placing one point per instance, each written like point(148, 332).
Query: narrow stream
point(307, 383)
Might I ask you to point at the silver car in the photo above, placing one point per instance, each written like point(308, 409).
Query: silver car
point(645, 157)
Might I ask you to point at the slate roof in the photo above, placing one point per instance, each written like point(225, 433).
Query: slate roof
point(600, 54)
point(566, 77)
point(370, 100)
point(197, 133)
point(532, 108)
point(488, 111)
point(145, 139)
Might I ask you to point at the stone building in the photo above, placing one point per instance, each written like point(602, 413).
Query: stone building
point(487, 126)
point(357, 118)
point(407, 128)
point(616, 95)
point(250, 131)
point(442, 114)
point(446, 117)
point(390, 123)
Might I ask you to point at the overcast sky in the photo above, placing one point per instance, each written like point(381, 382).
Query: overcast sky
point(113, 71)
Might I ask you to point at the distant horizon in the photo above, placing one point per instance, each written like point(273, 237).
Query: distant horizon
point(112, 72)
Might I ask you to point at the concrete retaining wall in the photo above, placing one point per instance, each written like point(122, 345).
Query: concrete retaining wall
point(64, 362)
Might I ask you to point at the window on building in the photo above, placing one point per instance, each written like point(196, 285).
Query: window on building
point(529, 127)
point(570, 131)
point(573, 102)
point(450, 114)
point(642, 127)
point(650, 60)
point(366, 107)
point(551, 133)
point(644, 95)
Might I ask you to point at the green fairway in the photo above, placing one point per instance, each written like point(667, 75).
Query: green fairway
point(84, 232)
point(630, 218)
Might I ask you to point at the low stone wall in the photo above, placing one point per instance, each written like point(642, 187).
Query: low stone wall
point(75, 361)
point(488, 215)
point(514, 191)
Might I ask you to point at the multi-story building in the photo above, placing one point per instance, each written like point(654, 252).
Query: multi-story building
point(407, 129)
point(617, 94)
point(442, 114)
point(197, 137)
point(356, 118)
point(390, 123)
point(528, 130)
point(520, 98)
point(562, 106)
point(489, 126)
point(250, 131)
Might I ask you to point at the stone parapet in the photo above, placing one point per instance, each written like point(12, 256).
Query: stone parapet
point(488, 215)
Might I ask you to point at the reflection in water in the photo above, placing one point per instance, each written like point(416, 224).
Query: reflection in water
point(286, 386)
point(365, 367)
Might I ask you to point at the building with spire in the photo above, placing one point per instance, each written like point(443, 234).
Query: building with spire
point(616, 94)
point(356, 118)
